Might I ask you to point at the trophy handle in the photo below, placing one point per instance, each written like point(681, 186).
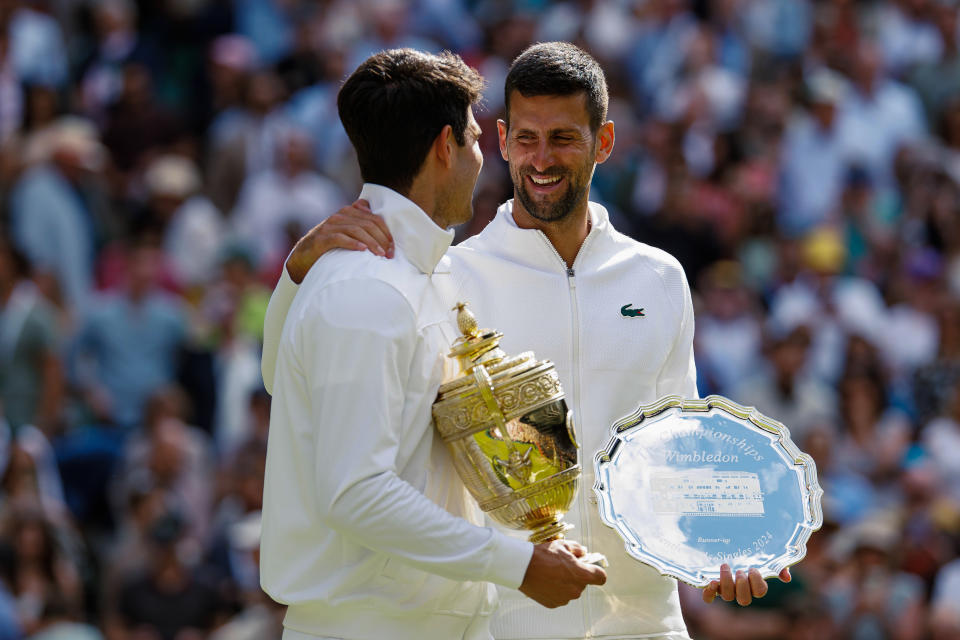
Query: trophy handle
point(517, 464)
point(571, 429)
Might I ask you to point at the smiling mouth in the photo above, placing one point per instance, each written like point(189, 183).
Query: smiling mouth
point(545, 181)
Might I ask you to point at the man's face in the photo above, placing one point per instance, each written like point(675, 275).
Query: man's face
point(551, 152)
point(458, 205)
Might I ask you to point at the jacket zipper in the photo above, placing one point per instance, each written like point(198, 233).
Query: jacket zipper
point(577, 413)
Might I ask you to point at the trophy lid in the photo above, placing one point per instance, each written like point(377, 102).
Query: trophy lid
point(477, 346)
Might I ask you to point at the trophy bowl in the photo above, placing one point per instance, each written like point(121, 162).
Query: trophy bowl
point(506, 424)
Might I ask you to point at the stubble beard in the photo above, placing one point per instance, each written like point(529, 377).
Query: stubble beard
point(575, 194)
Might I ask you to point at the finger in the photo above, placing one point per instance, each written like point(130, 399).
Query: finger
point(345, 241)
point(370, 223)
point(575, 548)
point(785, 575)
point(560, 547)
point(369, 240)
point(758, 586)
point(710, 591)
point(727, 588)
point(743, 589)
point(360, 203)
point(592, 574)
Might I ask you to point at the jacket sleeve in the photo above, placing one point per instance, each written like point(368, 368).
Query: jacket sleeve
point(357, 344)
point(277, 309)
point(678, 376)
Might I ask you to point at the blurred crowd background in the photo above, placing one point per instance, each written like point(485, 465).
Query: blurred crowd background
point(158, 159)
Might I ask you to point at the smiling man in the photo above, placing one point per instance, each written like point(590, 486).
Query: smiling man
point(550, 272)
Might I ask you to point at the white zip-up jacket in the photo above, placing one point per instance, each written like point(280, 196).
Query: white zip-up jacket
point(368, 532)
point(609, 360)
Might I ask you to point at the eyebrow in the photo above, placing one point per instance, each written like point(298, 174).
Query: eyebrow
point(552, 132)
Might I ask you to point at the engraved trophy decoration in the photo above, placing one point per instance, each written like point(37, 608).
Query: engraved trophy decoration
point(692, 484)
point(507, 426)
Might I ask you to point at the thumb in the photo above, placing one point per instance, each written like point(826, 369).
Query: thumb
point(711, 591)
point(591, 573)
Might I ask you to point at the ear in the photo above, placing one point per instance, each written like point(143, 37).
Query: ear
point(443, 147)
point(502, 134)
point(605, 137)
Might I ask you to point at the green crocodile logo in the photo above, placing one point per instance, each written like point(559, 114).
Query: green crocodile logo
point(627, 312)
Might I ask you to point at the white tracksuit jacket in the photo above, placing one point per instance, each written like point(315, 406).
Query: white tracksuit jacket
point(609, 363)
point(361, 534)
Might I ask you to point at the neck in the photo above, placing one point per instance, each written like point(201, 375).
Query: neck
point(424, 195)
point(566, 235)
point(6, 290)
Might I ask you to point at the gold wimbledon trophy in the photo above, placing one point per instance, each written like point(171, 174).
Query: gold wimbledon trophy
point(507, 426)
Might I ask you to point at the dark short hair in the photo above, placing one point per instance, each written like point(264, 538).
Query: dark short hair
point(558, 69)
point(395, 105)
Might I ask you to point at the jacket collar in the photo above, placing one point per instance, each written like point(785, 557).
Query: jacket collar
point(417, 236)
point(531, 246)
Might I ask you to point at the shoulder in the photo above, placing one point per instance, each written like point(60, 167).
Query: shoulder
point(356, 290)
point(647, 256)
point(645, 261)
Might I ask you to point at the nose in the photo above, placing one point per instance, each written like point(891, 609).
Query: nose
point(542, 156)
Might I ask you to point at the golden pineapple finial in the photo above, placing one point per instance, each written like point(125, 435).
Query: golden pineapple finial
point(466, 321)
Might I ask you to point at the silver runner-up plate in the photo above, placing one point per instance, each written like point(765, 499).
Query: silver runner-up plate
point(693, 484)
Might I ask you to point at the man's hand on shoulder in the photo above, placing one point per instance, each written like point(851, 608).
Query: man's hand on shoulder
point(353, 227)
point(555, 575)
point(743, 587)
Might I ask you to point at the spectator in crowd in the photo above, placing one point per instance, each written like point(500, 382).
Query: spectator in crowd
point(291, 194)
point(934, 384)
point(31, 379)
point(172, 599)
point(42, 573)
point(813, 162)
point(729, 332)
point(50, 220)
point(879, 116)
point(234, 309)
point(945, 613)
point(127, 346)
point(936, 80)
point(136, 125)
point(194, 231)
point(941, 439)
point(170, 454)
point(247, 143)
point(37, 45)
point(117, 42)
point(869, 597)
point(787, 390)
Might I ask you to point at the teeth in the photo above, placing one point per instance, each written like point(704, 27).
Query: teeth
point(545, 180)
